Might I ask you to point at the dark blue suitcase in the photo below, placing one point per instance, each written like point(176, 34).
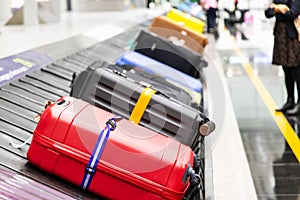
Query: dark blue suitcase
point(169, 53)
point(155, 67)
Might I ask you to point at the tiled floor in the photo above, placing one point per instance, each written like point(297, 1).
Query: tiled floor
point(274, 167)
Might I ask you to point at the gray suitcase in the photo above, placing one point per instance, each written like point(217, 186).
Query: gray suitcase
point(115, 92)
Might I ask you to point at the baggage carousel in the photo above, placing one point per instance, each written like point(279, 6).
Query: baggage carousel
point(45, 73)
point(32, 78)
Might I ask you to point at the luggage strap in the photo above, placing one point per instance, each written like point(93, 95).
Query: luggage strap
point(91, 167)
point(141, 105)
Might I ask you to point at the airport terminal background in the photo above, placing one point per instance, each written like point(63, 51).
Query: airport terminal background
point(254, 152)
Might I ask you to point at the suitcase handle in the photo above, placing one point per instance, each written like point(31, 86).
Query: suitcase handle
point(194, 178)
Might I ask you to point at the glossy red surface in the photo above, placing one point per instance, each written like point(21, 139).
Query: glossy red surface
point(136, 162)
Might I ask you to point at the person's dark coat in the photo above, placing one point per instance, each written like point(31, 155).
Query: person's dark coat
point(288, 17)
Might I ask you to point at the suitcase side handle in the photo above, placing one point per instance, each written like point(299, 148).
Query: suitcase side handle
point(206, 126)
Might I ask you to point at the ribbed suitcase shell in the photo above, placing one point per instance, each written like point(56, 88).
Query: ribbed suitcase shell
point(155, 67)
point(165, 51)
point(115, 92)
point(187, 20)
point(169, 28)
point(136, 163)
point(156, 81)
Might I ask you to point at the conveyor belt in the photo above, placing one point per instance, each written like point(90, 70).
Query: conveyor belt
point(22, 99)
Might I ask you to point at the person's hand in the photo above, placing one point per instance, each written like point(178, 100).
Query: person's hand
point(279, 8)
point(282, 8)
point(272, 5)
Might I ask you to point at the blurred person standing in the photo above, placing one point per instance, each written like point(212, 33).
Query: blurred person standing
point(211, 8)
point(236, 2)
point(286, 49)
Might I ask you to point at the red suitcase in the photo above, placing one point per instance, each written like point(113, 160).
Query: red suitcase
point(77, 142)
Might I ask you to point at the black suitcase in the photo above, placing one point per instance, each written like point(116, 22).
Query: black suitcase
point(165, 51)
point(115, 92)
point(156, 82)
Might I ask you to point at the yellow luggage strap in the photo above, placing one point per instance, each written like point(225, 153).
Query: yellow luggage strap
point(141, 105)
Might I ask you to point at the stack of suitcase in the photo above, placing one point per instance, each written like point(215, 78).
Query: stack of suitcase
point(132, 127)
point(172, 30)
point(192, 8)
point(151, 66)
point(117, 93)
point(187, 20)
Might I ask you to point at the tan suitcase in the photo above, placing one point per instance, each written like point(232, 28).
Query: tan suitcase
point(180, 34)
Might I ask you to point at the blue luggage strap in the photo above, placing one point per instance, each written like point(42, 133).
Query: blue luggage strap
point(91, 167)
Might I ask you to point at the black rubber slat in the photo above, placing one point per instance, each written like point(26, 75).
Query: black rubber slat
point(107, 52)
point(47, 76)
point(125, 39)
point(77, 63)
point(44, 86)
point(5, 143)
point(36, 91)
point(14, 131)
point(69, 65)
point(24, 94)
point(17, 120)
point(18, 110)
point(61, 70)
point(20, 101)
point(21, 165)
point(48, 81)
point(84, 60)
point(58, 72)
point(90, 55)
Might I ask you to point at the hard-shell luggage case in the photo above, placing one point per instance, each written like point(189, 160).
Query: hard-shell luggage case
point(193, 9)
point(156, 82)
point(163, 50)
point(109, 156)
point(187, 20)
point(174, 31)
point(155, 67)
point(117, 93)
